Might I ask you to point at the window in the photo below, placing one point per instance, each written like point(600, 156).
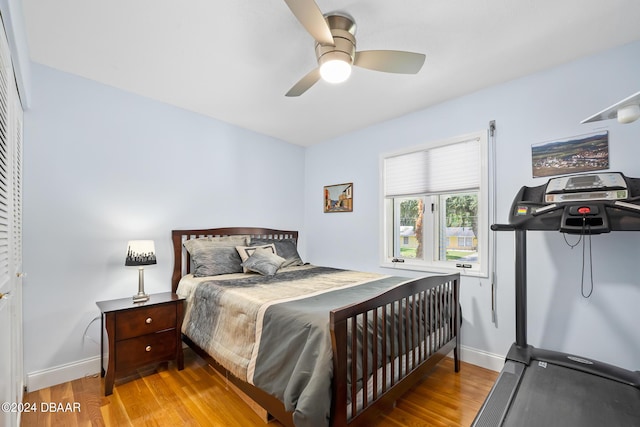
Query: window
point(435, 206)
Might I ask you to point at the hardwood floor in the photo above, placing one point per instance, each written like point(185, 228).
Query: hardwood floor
point(197, 396)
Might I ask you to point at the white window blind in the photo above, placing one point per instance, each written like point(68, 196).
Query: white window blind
point(434, 170)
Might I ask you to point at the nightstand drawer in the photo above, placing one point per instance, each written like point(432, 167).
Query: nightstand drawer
point(144, 320)
point(140, 351)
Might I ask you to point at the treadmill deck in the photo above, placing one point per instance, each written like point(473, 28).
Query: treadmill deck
point(548, 395)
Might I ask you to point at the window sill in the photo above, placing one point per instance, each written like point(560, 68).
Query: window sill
point(433, 269)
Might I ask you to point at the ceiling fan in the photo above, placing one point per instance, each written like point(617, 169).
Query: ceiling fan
point(336, 49)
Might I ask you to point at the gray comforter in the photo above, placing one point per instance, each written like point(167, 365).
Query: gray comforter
point(273, 332)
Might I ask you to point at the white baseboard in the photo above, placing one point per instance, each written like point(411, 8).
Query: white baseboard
point(63, 373)
point(481, 358)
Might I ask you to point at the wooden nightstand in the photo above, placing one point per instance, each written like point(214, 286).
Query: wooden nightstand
point(140, 334)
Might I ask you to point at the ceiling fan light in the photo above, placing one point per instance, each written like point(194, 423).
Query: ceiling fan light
point(335, 71)
point(629, 113)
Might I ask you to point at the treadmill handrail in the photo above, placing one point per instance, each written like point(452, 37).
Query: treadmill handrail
point(503, 227)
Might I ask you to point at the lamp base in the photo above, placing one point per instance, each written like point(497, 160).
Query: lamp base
point(140, 297)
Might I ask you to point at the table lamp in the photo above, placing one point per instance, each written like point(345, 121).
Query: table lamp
point(140, 253)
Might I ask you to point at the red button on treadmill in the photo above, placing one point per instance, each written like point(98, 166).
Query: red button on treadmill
point(584, 210)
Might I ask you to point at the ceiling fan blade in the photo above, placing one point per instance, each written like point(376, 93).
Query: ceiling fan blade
point(311, 18)
point(390, 61)
point(304, 83)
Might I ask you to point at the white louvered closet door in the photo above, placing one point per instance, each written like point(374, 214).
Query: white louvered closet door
point(11, 347)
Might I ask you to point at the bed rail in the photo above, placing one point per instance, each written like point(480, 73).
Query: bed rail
point(401, 333)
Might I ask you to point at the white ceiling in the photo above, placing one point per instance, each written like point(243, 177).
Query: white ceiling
point(234, 60)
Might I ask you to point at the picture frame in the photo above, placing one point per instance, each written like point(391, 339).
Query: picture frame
point(338, 198)
point(581, 153)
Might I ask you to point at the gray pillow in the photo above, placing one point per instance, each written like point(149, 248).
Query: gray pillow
point(286, 248)
point(263, 261)
point(246, 251)
point(213, 256)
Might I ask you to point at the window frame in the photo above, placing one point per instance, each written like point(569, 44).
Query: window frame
point(430, 263)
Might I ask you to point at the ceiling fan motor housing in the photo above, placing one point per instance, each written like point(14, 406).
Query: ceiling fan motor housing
point(343, 31)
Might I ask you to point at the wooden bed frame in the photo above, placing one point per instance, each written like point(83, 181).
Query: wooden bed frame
point(432, 300)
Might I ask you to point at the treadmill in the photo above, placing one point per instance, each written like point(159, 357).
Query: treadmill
point(540, 387)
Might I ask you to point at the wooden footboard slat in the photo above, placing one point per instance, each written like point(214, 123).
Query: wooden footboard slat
point(424, 333)
point(407, 333)
point(436, 320)
point(385, 370)
point(374, 346)
point(354, 362)
point(418, 327)
point(393, 341)
point(450, 318)
point(414, 332)
point(430, 325)
point(365, 353)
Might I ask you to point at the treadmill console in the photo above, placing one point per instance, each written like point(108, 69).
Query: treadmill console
point(597, 186)
point(591, 203)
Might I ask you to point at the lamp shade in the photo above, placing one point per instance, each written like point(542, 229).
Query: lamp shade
point(140, 252)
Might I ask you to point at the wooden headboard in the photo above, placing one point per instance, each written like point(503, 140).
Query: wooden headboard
point(181, 261)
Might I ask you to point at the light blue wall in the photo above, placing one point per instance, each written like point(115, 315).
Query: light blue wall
point(527, 111)
point(101, 167)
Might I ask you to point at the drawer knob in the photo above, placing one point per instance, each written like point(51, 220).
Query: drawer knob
point(149, 320)
point(148, 348)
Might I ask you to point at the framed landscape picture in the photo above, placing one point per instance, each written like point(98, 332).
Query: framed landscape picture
point(576, 154)
point(338, 198)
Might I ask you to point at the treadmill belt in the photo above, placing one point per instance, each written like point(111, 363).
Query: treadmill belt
point(550, 395)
